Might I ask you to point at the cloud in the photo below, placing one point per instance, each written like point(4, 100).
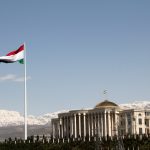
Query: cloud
point(14, 78)
point(7, 77)
point(21, 79)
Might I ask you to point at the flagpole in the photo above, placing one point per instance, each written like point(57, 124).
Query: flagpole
point(25, 95)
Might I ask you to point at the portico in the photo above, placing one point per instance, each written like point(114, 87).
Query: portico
point(99, 121)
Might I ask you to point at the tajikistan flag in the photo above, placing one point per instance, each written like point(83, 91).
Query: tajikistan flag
point(14, 56)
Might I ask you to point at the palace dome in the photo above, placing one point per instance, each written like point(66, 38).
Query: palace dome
point(106, 104)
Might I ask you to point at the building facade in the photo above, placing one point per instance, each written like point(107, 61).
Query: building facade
point(134, 121)
point(105, 119)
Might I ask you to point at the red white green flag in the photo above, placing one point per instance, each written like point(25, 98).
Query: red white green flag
point(14, 56)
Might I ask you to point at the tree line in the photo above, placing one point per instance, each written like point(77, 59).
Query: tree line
point(130, 142)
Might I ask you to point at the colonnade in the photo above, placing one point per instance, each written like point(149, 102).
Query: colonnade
point(81, 124)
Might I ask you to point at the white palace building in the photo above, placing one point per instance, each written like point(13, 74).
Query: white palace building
point(105, 119)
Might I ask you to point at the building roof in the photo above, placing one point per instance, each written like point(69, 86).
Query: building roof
point(106, 104)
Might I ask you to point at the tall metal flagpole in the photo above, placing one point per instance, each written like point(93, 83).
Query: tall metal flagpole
point(25, 95)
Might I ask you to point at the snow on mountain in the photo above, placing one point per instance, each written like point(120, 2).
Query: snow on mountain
point(136, 105)
point(13, 118)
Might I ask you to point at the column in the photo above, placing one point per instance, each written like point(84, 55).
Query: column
point(58, 129)
point(92, 125)
point(136, 131)
point(126, 124)
point(65, 129)
point(112, 122)
point(95, 127)
point(89, 124)
point(75, 126)
point(105, 124)
point(116, 124)
point(132, 122)
point(53, 130)
point(143, 126)
point(102, 125)
point(84, 119)
point(98, 125)
point(71, 126)
point(109, 124)
point(67, 126)
point(79, 124)
point(61, 128)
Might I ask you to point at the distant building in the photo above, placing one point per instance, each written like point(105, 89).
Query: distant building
point(105, 119)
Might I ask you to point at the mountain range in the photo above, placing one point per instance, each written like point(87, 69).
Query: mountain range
point(14, 118)
point(136, 105)
point(12, 122)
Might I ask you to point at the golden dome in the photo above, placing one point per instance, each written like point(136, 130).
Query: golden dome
point(106, 104)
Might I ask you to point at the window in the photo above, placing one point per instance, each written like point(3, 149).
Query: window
point(147, 113)
point(147, 131)
point(140, 121)
point(129, 122)
point(121, 123)
point(147, 122)
point(140, 130)
point(129, 118)
point(128, 115)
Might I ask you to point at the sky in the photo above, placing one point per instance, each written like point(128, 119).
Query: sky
point(75, 50)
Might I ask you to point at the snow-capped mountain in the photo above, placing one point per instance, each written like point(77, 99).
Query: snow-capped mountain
point(12, 124)
point(136, 105)
point(13, 118)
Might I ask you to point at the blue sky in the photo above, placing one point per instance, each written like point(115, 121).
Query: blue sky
point(75, 50)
